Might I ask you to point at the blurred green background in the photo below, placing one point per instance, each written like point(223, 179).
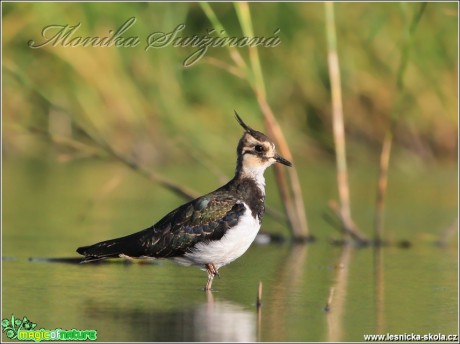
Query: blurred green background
point(147, 105)
point(68, 104)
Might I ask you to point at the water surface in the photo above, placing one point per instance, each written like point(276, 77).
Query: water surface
point(51, 209)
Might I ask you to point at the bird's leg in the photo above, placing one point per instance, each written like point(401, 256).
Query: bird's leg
point(212, 271)
point(207, 287)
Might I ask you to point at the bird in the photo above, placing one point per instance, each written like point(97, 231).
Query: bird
point(212, 230)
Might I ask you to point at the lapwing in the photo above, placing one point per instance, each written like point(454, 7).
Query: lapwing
point(212, 230)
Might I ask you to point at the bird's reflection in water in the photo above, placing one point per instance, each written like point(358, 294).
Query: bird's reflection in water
point(211, 321)
point(224, 321)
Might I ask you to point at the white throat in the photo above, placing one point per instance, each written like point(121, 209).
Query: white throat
point(256, 173)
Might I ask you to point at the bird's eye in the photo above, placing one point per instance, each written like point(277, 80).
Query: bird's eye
point(259, 148)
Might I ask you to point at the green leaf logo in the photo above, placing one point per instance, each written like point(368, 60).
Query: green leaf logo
point(12, 326)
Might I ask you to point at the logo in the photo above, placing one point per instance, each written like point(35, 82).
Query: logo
point(24, 330)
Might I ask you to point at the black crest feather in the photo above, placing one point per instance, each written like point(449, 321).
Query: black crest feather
point(254, 133)
point(244, 125)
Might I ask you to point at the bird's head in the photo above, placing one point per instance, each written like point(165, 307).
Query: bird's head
point(256, 151)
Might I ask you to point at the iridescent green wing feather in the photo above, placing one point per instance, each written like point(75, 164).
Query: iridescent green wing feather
point(204, 219)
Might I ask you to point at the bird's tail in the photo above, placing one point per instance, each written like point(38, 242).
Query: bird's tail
point(130, 246)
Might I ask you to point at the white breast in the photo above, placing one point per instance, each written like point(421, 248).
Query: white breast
point(231, 246)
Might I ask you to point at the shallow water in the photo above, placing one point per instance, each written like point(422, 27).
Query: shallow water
point(49, 210)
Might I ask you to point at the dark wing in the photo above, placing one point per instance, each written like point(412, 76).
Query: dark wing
point(206, 218)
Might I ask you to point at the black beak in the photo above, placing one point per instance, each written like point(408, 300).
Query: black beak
point(282, 160)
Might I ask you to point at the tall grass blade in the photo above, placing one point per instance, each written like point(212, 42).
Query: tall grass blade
point(348, 225)
point(382, 182)
point(290, 189)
